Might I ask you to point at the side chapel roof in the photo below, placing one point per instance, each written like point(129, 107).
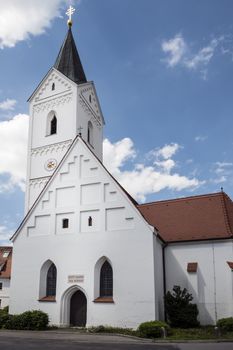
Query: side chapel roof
point(68, 61)
point(203, 217)
point(5, 262)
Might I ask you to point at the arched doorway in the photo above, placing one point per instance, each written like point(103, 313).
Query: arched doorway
point(78, 309)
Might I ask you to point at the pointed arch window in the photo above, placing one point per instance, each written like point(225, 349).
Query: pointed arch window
point(106, 280)
point(90, 133)
point(51, 123)
point(51, 281)
point(53, 126)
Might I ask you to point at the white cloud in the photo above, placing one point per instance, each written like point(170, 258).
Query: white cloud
point(175, 48)
point(139, 179)
point(224, 164)
point(204, 55)
point(167, 151)
point(222, 170)
point(179, 52)
point(144, 179)
point(21, 19)
point(165, 165)
point(5, 235)
point(220, 180)
point(200, 138)
point(8, 105)
point(116, 154)
point(13, 148)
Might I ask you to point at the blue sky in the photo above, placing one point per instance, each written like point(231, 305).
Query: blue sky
point(163, 70)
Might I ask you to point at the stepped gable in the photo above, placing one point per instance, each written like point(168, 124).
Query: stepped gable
point(203, 217)
point(5, 262)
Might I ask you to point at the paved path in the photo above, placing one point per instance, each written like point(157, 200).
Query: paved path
point(61, 340)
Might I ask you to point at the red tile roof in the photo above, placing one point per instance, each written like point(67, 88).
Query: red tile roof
point(5, 262)
point(208, 216)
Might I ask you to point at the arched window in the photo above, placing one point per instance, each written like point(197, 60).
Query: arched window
point(51, 281)
point(90, 133)
point(53, 126)
point(106, 280)
point(53, 86)
point(90, 221)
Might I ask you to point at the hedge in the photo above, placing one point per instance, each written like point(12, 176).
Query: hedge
point(225, 324)
point(29, 320)
point(152, 329)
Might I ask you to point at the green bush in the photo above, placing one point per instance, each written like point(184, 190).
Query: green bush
point(5, 310)
point(4, 317)
point(180, 311)
point(29, 320)
point(152, 329)
point(225, 324)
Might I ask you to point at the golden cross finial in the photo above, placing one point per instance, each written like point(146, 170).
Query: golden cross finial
point(69, 13)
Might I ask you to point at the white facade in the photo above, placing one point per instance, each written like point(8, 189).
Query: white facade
point(76, 109)
point(82, 188)
point(212, 284)
point(4, 292)
point(79, 217)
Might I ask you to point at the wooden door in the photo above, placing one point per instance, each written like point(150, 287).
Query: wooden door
point(78, 309)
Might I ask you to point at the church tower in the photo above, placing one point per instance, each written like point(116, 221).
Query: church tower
point(63, 106)
point(81, 252)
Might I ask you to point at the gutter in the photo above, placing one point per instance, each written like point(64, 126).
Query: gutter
point(164, 281)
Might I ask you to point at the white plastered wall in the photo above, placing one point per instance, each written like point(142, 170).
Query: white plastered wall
point(74, 106)
point(212, 284)
point(124, 238)
point(4, 292)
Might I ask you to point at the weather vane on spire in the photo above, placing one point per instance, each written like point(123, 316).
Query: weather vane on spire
point(69, 13)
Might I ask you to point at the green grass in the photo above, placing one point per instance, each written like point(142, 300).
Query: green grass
point(116, 330)
point(201, 333)
point(175, 334)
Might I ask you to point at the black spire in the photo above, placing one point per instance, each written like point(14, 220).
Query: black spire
point(68, 61)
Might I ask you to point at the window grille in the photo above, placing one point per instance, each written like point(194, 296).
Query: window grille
point(51, 281)
point(106, 280)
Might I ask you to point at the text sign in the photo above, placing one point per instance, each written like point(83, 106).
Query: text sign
point(75, 278)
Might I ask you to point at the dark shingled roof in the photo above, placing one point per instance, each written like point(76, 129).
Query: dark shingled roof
point(203, 217)
point(68, 61)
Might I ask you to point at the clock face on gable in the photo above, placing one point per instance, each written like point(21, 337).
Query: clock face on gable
point(50, 164)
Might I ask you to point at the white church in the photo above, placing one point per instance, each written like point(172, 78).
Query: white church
point(86, 252)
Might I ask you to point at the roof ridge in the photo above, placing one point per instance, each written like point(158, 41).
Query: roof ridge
point(182, 198)
point(225, 212)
